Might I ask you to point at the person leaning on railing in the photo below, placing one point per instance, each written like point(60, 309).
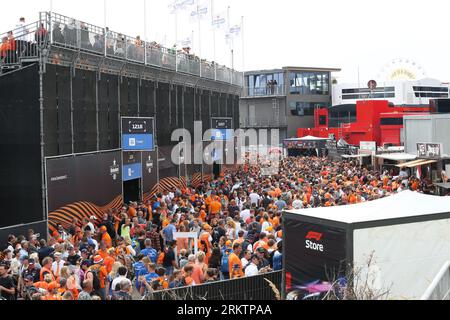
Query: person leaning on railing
point(57, 34)
point(40, 36)
point(70, 33)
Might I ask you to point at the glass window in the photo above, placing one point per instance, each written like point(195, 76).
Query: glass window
point(391, 121)
point(310, 83)
point(279, 78)
point(322, 120)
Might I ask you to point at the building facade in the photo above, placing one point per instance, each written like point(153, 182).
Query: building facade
point(400, 92)
point(284, 99)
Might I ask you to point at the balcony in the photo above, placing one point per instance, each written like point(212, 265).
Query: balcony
point(264, 122)
point(31, 42)
point(264, 92)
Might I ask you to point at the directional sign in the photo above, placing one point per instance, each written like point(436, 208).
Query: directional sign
point(132, 166)
point(222, 129)
point(138, 134)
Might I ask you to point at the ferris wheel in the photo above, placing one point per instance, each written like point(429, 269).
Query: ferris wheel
point(402, 69)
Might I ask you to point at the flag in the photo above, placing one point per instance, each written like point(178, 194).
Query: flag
point(233, 32)
point(219, 20)
point(200, 12)
point(179, 5)
point(185, 42)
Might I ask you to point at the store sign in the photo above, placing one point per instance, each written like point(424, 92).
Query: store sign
point(429, 150)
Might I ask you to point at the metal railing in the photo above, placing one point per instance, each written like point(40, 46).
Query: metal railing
point(249, 288)
point(63, 31)
point(264, 122)
point(269, 90)
point(439, 289)
point(22, 44)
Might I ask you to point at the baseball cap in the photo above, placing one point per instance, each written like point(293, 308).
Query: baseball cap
point(29, 278)
point(261, 250)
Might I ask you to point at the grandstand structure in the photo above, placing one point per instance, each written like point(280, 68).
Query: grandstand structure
point(64, 87)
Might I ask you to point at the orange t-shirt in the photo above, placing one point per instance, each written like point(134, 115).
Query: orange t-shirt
point(102, 274)
point(233, 260)
point(216, 206)
point(108, 263)
point(4, 48)
point(102, 253)
point(203, 215)
point(275, 222)
point(163, 282)
point(197, 274)
point(107, 240)
point(132, 212)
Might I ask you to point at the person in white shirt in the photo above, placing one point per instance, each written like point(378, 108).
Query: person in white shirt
point(57, 265)
point(252, 268)
point(22, 31)
point(122, 271)
point(297, 204)
point(266, 224)
point(254, 198)
point(246, 258)
point(245, 214)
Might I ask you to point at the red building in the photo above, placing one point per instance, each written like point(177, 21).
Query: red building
point(369, 120)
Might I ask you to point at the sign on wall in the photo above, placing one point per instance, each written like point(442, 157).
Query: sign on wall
point(222, 129)
point(132, 166)
point(368, 147)
point(314, 253)
point(138, 134)
point(429, 150)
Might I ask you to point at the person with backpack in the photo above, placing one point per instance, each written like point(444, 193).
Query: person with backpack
point(224, 264)
point(278, 257)
point(97, 274)
point(169, 262)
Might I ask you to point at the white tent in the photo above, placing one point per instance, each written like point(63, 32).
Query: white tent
point(309, 138)
point(401, 205)
point(406, 236)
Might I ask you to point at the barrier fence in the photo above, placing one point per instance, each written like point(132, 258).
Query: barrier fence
point(249, 288)
point(60, 30)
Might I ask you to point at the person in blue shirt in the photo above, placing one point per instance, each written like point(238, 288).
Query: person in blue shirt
point(149, 251)
point(147, 279)
point(140, 268)
point(278, 257)
point(169, 231)
point(177, 281)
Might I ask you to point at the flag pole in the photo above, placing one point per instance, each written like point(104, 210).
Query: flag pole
point(214, 39)
point(199, 34)
point(145, 31)
point(104, 14)
point(243, 55)
point(145, 20)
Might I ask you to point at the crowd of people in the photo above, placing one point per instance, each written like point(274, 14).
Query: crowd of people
point(237, 218)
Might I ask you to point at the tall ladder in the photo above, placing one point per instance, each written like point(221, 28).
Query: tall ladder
point(276, 111)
